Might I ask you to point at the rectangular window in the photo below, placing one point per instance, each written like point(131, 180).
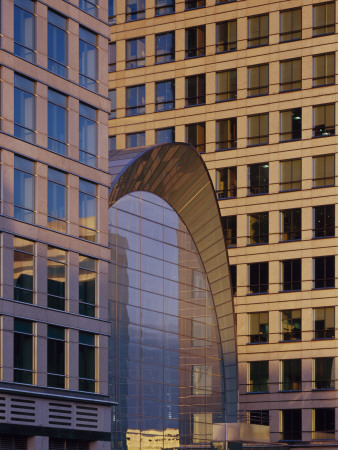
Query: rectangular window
point(291, 325)
point(258, 129)
point(111, 11)
point(56, 275)
point(259, 417)
point(135, 10)
point(323, 120)
point(258, 179)
point(226, 85)
point(324, 69)
point(229, 225)
point(87, 360)
point(24, 108)
point(201, 379)
point(87, 135)
point(324, 323)
point(193, 4)
point(112, 142)
point(291, 224)
point(226, 132)
point(258, 376)
point(233, 276)
point(195, 90)
point(324, 273)
point(259, 278)
point(163, 7)
point(24, 29)
point(112, 57)
point(258, 30)
point(226, 183)
point(135, 100)
point(291, 425)
point(291, 375)
point(23, 270)
point(195, 135)
point(57, 122)
point(258, 80)
point(24, 191)
point(57, 43)
point(90, 6)
point(87, 286)
point(87, 59)
point(323, 171)
point(323, 221)
point(112, 98)
point(165, 135)
point(323, 373)
point(323, 19)
point(56, 357)
point(323, 423)
point(57, 200)
point(165, 95)
point(165, 47)
point(290, 75)
point(136, 139)
point(226, 36)
point(290, 125)
point(291, 175)
point(23, 351)
point(135, 53)
point(258, 327)
point(259, 228)
point(195, 41)
point(291, 275)
point(87, 210)
point(290, 25)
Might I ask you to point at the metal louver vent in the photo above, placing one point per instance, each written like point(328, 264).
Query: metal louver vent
point(2, 408)
point(22, 410)
point(86, 417)
point(8, 442)
point(60, 414)
point(67, 444)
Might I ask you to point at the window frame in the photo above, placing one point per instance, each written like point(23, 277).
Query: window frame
point(140, 59)
point(86, 46)
point(262, 286)
point(326, 129)
point(329, 27)
point(262, 327)
point(328, 166)
point(295, 133)
point(21, 28)
point(88, 268)
point(139, 108)
point(195, 84)
point(294, 34)
point(294, 84)
point(294, 283)
point(294, 233)
point(165, 105)
point(228, 43)
point(229, 227)
point(196, 50)
point(54, 264)
point(326, 230)
point(262, 39)
point(260, 139)
point(292, 182)
point(226, 182)
point(327, 79)
point(262, 220)
point(255, 74)
point(168, 56)
point(291, 327)
point(321, 328)
point(259, 188)
point(61, 68)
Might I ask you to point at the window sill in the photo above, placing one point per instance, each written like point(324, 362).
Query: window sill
point(226, 51)
point(193, 9)
point(323, 85)
point(281, 391)
point(323, 136)
point(323, 237)
point(290, 140)
point(225, 149)
point(258, 145)
point(256, 195)
point(324, 34)
point(289, 90)
point(290, 290)
point(322, 288)
point(257, 46)
point(227, 100)
point(322, 389)
point(291, 340)
point(323, 339)
point(194, 57)
point(258, 392)
point(197, 104)
point(324, 186)
point(257, 95)
point(257, 343)
point(256, 293)
point(261, 243)
point(289, 40)
point(290, 190)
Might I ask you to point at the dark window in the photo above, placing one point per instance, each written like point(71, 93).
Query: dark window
point(57, 122)
point(291, 224)
point(323, 425)
point(258, 179)
point(195, 41)
point(258, 129)
point(87, 59)
point(24, 29)
point(324, 323)
point(258, 327)
point(193, 4)
point(291, 375)
point(290, 124)
point(90, 6)
point(112, 98)
point(291, 75)
point(258, 376)
point(258, 80)
point(165, 135)
point(135, 10)
point(23, 351)
point(290, 175)
point(112, 57)
point(259, 278)
point(291, 25)
point(136, 139)
point(23, 270)
point(24, 108)
point(323, 171)
point(258, 30)
point(56, 278)
point(259, 228)
point(87, 135)
point(226, 183)
point(226, 36)
point(324, 69)
point(87, 210)
point(86, 361)
point(165, 95)
point(324, 273)
point(112, 143)
point(195, 90)
point(323, 120)
point(87, 285)
point(56, 357)
point(291, 429)
point(112, 11)
point(324, 373)
point(57, 43)
point(291, 275)
point(324, 221)
point(323, 19)
point(258, 417)
point(233, 276)
point(291, 325)
point(229, 225)
point(24, 191)
point(135, 100)
point(165, 47)
point(135, 53)
point(226, 85)
point(163, 7)
point(219, 2)
point(57, 200)
point(195, 135)
point(226, 132)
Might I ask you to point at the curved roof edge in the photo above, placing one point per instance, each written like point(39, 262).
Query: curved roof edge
point(176, 173)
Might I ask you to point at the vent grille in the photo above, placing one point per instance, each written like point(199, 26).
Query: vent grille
point(8, 442)
point(22, 410)
point(86, 417)
point(2, 409)
point(60, 414)
point(68, 444)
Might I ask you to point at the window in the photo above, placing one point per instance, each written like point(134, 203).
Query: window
point(56, 276)
point(323, 19)
point(135, 10)
point(23, 189)
point(87, 210)
point(258, 80)
point(135, 53)
point(90, 6)
point(291, 224)
point(195, 90)
point(259, 278)
point(229, 225)
point(195, 135)
point(24, 29)
point(290, 25)
point(324, 323)
point(226, 183)
point(258, 129)
point(290, 125)
point(201, 379)
point(87, 359)
point(193, 4)
point(324, 221)
point(324, 276)
point(323, 373)
point(195, 41)
point(258, 417)
point(57, 122)
point(233, 276)
point(57, 205)
point(23, 351)
point(112, 98)
point(23, 270)
point(165, 135)
point(135, 100)
point(24, 108)
point(258, 376)
point(219, 2)
point(56, 357)
point(258, 327)
point(258, 179)
point(290, 75)
point(111, 11)
point(163, 7)
point(291, 425)
point(291, 275)
point(259, 228)
point(226, 85)
point(112, 57)
point(291, 375)
point(87, 286)
point(226, 132)
point(291, 324)
point(323, 171)
point(57, 43)
point(165, 95)
point(258, 30)
point(165, 47)
point(323, 120)
point(136, 139)
point(323, 423)
point(87, 59)
point(226, 36)
point(87, 135)
point(291, 175)
point(323, 69)
point(112, 142)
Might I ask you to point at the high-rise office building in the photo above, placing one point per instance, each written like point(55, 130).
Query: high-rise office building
point(252, 85)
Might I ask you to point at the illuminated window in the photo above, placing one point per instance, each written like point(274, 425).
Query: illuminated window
point(291, 325)
point(23, 270)
point(323, 120)
point(324, 323)
point(259, 228)
point(87, 210)
point(258, 327)
point(226, 183)
point(290, 125)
